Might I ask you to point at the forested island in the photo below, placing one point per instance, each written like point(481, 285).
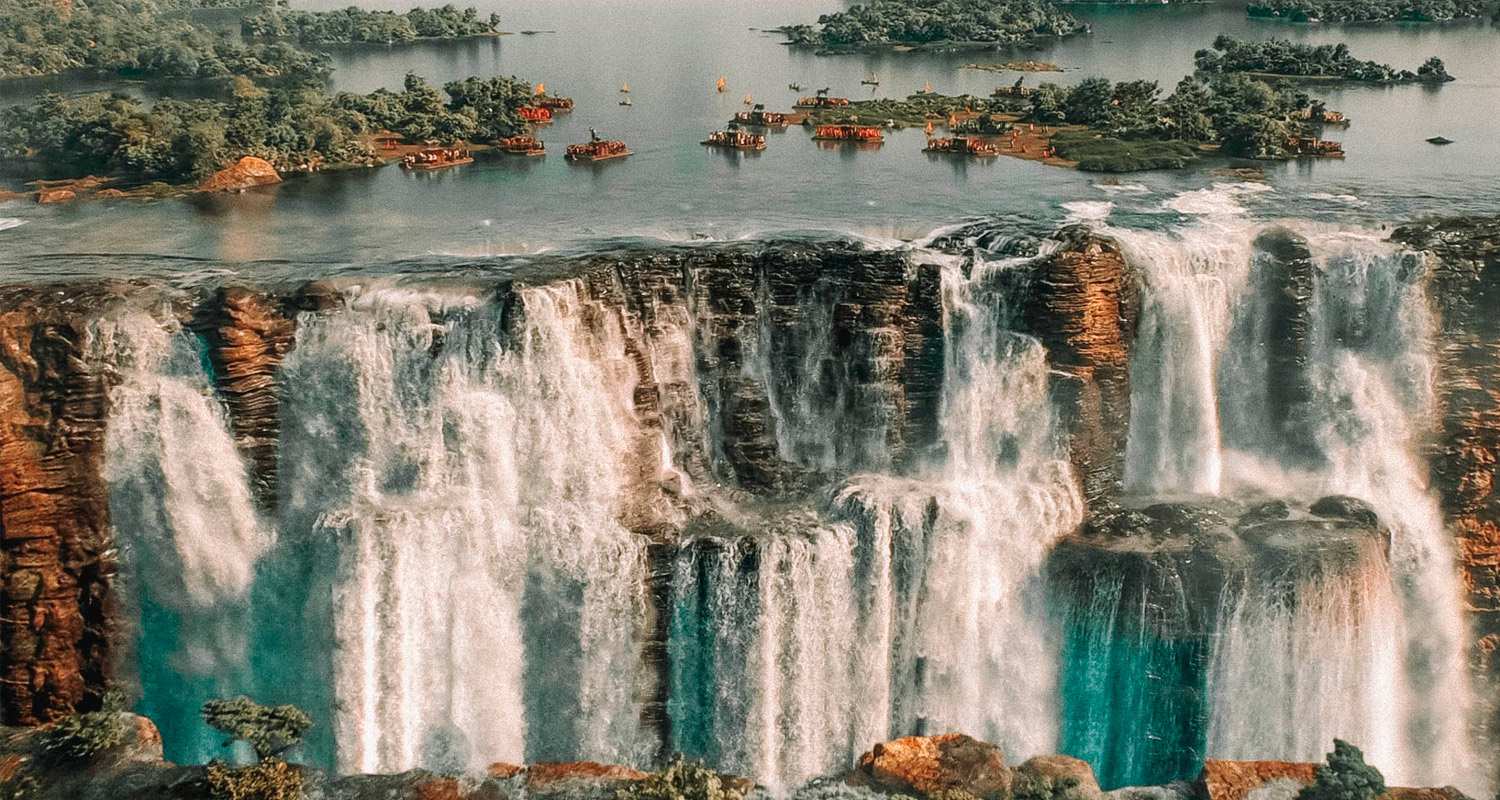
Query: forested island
point(357, 26)
point(1128, 126)
point(1282, 58)
point(882, 23)
point(176, 141)
point(1369, 10)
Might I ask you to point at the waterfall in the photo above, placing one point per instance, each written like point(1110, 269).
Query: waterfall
point(466, 478)
point(185, 522)
point(1204, 424)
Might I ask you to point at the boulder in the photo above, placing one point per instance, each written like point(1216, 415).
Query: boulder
point(109, 194)
point(1060, 766)
point(578, 777)
point(1340, 506)
point(52, 197)
point(1235, 780)
point(930, 764)
point(246, 173)
point(500, 769)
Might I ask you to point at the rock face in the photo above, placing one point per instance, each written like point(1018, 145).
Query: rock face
point(248, 334)
point(1084, 307)
point(929, 764)
point(54, 514)
point(1465, 282)
point(1286, 293)
point(1235, 780)
point(246, 173)
point(1060, 766)
point(51, 197)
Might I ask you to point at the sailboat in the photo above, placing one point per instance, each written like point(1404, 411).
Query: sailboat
point(873, 80)
point(541, 89)
point(625, 102)
point(625, 88)
point(927, 88)
point(748, 101)
point(722, 84)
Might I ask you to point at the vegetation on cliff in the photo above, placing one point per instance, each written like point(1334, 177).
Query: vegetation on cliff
point(1346, 776)
point(1284, 58)
point(927, 22)
point(356, 25)
point(134, 38)
point(681, 780)
point(176, 141)
point(1369, 10)
point(85, 735)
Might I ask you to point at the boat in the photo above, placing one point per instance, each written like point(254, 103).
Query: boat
point(857, 134)
point(557, 105)
point(1326, 117)
point(748, 101)
point(595, 149)
point(625, 102)
point(1313, 146)
point(926, 88)
point(722, 84)
point(1440, 140)
point(436, 158)
point(821, 101)
point(962, 146)
point(535, 114)
point(524, 145)
point(760, 117)
point(625, 89)
point(873, 80)
point(736, 139)
point(796, 87)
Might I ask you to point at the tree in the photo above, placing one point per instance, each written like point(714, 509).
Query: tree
point(1089, 102)
point(1133, 107)
point(1346, 776)
point(85, 735)
point(1047, 102)
point(269, 730)
point(1187, 110)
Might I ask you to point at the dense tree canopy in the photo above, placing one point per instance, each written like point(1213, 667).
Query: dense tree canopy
point(353, 25)
point(177, 141)
point(1244, 116)
point(1282, 57)
point(927, 21)
point(133, 38)
point(1369, 10)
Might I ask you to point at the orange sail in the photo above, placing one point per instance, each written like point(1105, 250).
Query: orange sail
point(625, 88)
point(541, 88)
point(927, 87)
point(929, 126)
point(722, 84)
point(748, 101)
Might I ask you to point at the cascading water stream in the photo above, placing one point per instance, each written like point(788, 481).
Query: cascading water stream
point(188, 531)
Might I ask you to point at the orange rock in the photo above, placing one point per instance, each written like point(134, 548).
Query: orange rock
point(553, 776)
point(243, 174)
point(500, 769)
point(438, 789)
point(928, 764)
point(1235, 780)
point(1060, 766)
point(49, 197)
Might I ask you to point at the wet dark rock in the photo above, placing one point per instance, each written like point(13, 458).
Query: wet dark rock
point(1265, 512)
point(1349, 508)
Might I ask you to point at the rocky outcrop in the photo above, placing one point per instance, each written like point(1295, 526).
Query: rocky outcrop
point(1052, 768)
point(930, 764)
point(1465, 285)
point(52, 197)
point(248, 334)
point(1084, 307)
point(54, 515)
point(1235, 780)
point(1286, 294)
point(246, 173)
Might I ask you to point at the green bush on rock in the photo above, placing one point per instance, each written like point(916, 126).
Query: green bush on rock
point(86, 735)
point(681, 780)
point(269, 730)
point(271, 780)
point(1346, 776)
point(1044, 787)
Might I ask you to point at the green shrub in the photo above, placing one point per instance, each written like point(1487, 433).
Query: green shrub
point(1346, 776)
point(269, 730)
point(86, 735)
point(681, 780)
point(1099, 153)
point(269, 780)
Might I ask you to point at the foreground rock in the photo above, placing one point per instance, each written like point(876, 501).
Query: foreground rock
point(246, 173)
point(931, 764)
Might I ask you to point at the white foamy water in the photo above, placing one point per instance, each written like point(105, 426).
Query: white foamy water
point(6, 223)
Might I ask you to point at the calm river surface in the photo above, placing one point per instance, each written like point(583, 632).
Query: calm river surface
point(672, 51)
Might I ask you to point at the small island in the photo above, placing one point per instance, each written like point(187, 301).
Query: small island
point(1015, 66)
point(1279, 58)
point(1369, 10)
point(934, 25)
point(357, 26)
